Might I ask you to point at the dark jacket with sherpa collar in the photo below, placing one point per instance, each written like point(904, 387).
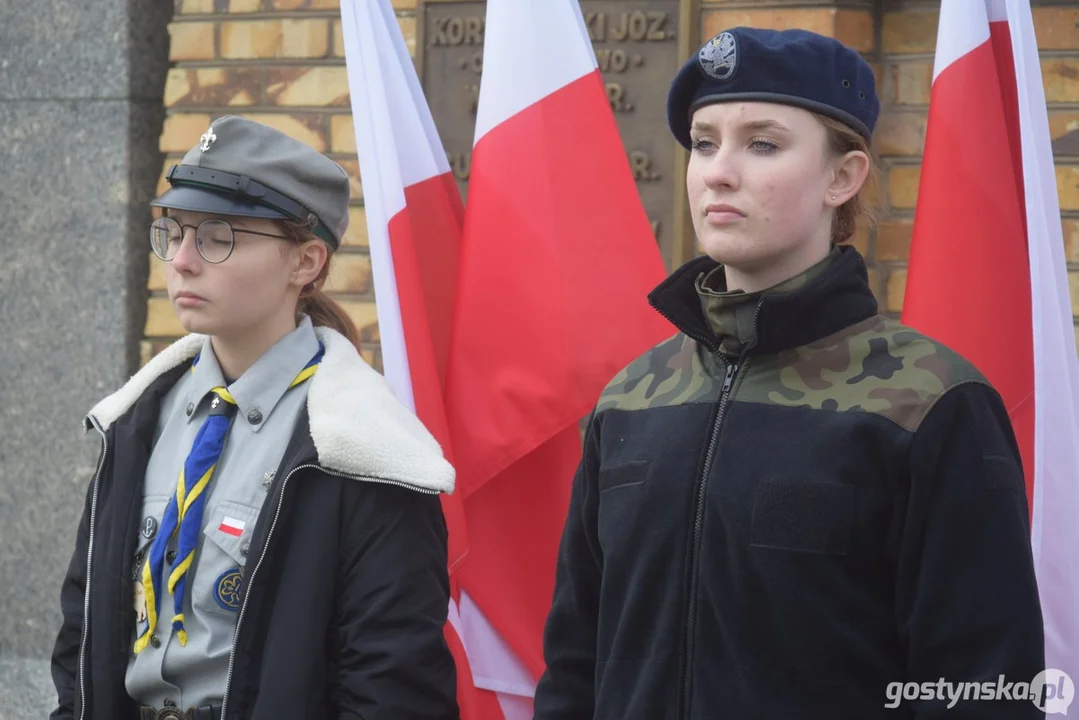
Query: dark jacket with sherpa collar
point(346, 597)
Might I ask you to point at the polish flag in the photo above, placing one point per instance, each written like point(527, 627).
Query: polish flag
point(232, 526)
point(556, 262)
point(414, 220)
point(987, 272)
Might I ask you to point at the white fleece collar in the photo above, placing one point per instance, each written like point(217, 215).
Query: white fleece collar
point(357, 424)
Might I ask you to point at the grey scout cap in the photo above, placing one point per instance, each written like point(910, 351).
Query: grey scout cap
point(247, 169)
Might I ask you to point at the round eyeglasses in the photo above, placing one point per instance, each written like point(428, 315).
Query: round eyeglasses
point(214, 239)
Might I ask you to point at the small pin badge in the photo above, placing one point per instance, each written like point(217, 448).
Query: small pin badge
point(267, 478)
point(140, 603)
point(719, 56)
point(207, 139)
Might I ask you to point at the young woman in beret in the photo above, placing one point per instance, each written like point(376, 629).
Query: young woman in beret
point(795, 503)
point(263, 537)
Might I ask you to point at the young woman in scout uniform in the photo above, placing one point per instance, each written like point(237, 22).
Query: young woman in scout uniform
point(794, 501)
point(267, 505)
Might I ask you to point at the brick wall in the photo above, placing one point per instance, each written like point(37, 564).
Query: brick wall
point(282, 62)
point(908, 35)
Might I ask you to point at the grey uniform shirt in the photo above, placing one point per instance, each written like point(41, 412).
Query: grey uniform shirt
point(267, 409)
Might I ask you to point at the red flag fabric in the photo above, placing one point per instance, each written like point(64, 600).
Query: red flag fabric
point(557, 259)
point(414, 219)
point(558, 253)
point(969, 248)
point(988, 276)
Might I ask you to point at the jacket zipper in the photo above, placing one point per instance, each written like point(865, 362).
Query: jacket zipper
point(89, 566)
point(262, 556)
point(698, 522)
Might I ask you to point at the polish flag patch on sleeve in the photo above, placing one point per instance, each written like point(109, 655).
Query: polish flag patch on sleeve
point(232, 526)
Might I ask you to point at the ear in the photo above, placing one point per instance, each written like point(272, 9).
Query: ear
point(848, 175)
point(307, 261)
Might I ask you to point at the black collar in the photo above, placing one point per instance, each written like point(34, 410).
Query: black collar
point(835, 299)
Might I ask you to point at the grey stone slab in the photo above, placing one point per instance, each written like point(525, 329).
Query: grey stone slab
point(76, 176)
point(60, 49)
point(147, 48)
point(26, 689)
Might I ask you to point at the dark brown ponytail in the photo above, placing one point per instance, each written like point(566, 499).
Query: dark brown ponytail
point(320, 307)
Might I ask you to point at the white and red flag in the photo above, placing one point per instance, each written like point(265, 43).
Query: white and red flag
point(414, 219)
point(987, 272)
point(556, 262)
point(232, 526)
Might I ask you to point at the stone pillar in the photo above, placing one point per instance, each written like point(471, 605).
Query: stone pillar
point(80, 116)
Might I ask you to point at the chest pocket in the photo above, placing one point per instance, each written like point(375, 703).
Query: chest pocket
point(621, 502)
point(221, 568)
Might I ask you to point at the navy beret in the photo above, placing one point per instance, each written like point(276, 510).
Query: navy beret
point(790, 67)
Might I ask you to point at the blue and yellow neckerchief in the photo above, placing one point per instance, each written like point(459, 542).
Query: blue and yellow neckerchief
point(184, 511)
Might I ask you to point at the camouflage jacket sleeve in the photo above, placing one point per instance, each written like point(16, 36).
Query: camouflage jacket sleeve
point(966, 597)
point(566, 689)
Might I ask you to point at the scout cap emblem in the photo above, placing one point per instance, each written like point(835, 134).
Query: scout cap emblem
point(207, 139)
point(719, 57)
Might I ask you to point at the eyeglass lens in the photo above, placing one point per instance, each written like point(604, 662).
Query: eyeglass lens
point(213, 239)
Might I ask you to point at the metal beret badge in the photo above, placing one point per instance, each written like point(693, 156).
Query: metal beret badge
point(719, 57)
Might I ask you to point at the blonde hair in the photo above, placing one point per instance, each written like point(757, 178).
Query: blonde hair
point(862, 208)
